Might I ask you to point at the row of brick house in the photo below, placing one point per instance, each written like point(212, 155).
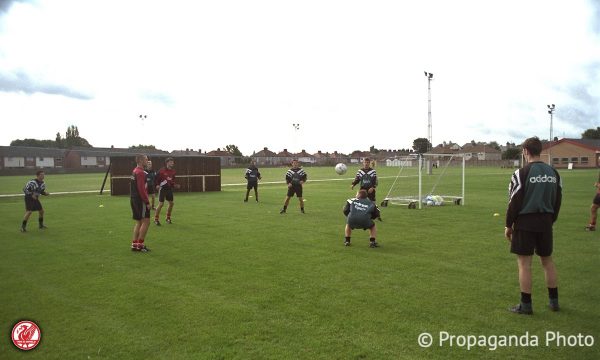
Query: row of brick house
point(577, 153)
point(563, 153)
point(25, 157)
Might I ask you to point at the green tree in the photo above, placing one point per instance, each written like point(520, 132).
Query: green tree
point(421, 145)
point(373, 150)
point(512, 154)
point(143, 147)
point(591, 134)
point(233, 150)
point(34, 143)
point(59, 140)
point(72, 138)
point(495, 145)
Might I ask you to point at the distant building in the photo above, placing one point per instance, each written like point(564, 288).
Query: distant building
point(28, 157)
point(285, 157)
point(580, 153)
point(265, 157)
point(472, 152)
point(227, 158)
point(305, 158)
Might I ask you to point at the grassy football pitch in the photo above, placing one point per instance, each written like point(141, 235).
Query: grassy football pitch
point(234, 280)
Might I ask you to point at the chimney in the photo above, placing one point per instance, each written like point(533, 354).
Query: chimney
point(265, 148)
point(285, 150)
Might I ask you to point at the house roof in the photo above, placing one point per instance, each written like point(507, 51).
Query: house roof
point(30, 151)
point(304, 154)
point(219, 152)
point(286, 153)
point(591, 144)
point(265, 153)
point(85, 151)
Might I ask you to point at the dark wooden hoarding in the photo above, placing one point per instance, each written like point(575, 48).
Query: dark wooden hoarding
point(193, 173)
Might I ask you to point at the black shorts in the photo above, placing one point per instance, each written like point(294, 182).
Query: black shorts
point(165, 193)
point(151, 189)
point(596, 199)
point(525, 242)
point(362, 225)
point(252, 185)
point(295, 190)
point(371, 196)
point(139, 209)
point(32, 204)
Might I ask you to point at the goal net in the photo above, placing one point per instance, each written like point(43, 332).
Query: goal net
point(429, 180)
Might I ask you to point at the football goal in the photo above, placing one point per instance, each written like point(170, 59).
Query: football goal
point(431, 180)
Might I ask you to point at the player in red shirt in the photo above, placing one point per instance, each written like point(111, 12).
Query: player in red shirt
point(140, 206)
point(165, 183)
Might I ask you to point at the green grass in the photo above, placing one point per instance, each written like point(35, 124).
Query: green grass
point(230, 280)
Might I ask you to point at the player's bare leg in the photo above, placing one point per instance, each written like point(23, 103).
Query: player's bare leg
point(347, 234)
point(551, 281)
point(524, 307)
point(593, 217)
point(372, 236)
point(169, 210)
point(285, 205)
point(25, 219)
point(41, 219)
point(157, 212)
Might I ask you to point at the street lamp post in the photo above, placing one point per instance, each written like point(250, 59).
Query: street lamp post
point(429, 77)
point(296, 128)
point(551, 112)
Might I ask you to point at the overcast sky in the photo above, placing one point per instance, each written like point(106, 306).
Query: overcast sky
point(351, 73)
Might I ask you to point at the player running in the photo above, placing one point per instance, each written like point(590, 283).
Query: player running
point(140, 206)
point(165, 183)
point(295, 179)
point(33, 189)
point(360, 212)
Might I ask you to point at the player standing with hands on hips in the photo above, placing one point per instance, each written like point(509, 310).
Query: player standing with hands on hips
point(165, 183)
point(140, 206)
point(33, 189)
point(295, 179)
point(535, 195)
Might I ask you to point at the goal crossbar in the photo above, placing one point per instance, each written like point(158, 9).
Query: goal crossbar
point(413, 201)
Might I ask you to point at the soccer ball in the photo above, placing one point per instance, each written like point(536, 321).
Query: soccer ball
point(341, 168)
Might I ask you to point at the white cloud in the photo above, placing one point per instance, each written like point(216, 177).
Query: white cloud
point(351, 73)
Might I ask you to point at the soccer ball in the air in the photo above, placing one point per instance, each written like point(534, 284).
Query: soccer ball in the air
point(341, 169)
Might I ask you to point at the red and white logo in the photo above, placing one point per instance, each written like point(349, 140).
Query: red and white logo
point(26, 335)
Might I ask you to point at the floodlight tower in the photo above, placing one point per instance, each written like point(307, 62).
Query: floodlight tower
point(551, 112)
point(296, 128)
point(429, 77)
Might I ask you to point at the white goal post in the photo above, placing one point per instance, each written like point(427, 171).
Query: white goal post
point(442, 162)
